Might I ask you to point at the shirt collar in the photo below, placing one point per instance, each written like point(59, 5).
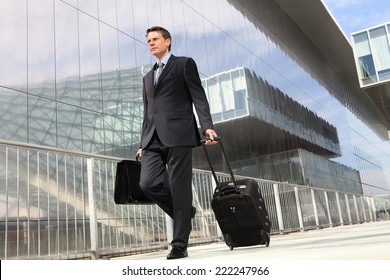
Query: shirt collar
point(165, 59)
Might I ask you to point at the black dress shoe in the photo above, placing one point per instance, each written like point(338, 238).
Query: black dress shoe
point(177, 253)
point(193, 213)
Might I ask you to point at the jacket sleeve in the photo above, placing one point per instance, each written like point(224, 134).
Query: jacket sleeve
point(198, 95)
point(145, 112)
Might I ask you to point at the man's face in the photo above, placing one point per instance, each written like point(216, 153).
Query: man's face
point(158, 46)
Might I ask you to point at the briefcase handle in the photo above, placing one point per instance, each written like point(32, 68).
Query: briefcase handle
point(219, 140)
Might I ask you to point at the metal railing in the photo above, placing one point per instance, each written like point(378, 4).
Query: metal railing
point(58, 204)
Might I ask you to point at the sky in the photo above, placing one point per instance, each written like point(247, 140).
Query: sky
point(356, 15)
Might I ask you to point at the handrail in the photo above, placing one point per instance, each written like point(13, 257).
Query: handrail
point(57, 150)
point(285, 183)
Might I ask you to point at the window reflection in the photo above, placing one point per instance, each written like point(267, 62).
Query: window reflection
point(42, 120)
point(67, 55)
point(41, 65)
point(13, 44)
point(14, 119)
point(90, 63)
point(89, 7)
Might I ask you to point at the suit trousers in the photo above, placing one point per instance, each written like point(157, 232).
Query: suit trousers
point(166, 178)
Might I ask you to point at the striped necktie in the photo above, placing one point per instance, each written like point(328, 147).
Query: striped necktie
point(159, 70)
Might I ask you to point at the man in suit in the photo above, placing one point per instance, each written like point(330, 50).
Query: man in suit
point(169, 132)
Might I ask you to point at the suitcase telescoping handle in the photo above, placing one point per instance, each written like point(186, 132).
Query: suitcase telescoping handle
point(219, 140)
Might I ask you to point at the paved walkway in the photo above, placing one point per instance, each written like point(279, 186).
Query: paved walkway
point(359, 251)
point(367, 241)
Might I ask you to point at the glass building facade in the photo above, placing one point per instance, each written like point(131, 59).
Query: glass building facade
point(71, 78)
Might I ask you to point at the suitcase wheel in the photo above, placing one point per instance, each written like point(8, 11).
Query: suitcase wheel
point(229, 241)
point(264, 238)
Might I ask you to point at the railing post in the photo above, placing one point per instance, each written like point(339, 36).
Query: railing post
point(339, 209)
point(299, 209)
point(313, 199)
point(92, 210)
point(278, 207)
point(327, 208)
point(373, 208)
point(6, 208)
point(348, 209)
point(368, 200)
point(363, 208)
point(356, 208)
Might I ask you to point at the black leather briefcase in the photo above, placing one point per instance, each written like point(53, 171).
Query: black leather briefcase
point(127, 189)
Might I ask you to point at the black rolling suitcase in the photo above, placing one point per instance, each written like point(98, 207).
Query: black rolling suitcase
point(127, 189)
point(240, 210)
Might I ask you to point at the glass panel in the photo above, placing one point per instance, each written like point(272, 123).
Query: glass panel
point(127, 52)
point(363, 53)
point(124, 11)
point(139, 19)
point(93, 132)
point(143, 57)
point(211, 36)
point(214, 97)
point(89, 7)
point(227, 92)
point(67, 54)
point(110, 68)
point(91, 97)
point(41, 47)
point(42, 121)
point(113, 136)
point(167, 20)
point(107, 12)
point(192, 35)
point(154, 16)
point(361, 44)
point(13, 44)
point(381, 52)
point(69, 127)
point(179, 34)
point(13, 115)
point(367, 69)
point(71, 2)
point(380, 48)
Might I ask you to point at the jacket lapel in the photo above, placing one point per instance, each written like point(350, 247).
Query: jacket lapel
point(167, 69)
point(149, 77)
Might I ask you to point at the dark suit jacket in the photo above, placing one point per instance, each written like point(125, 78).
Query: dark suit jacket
point(168, 107)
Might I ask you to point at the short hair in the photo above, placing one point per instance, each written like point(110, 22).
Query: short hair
point(165, 33)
